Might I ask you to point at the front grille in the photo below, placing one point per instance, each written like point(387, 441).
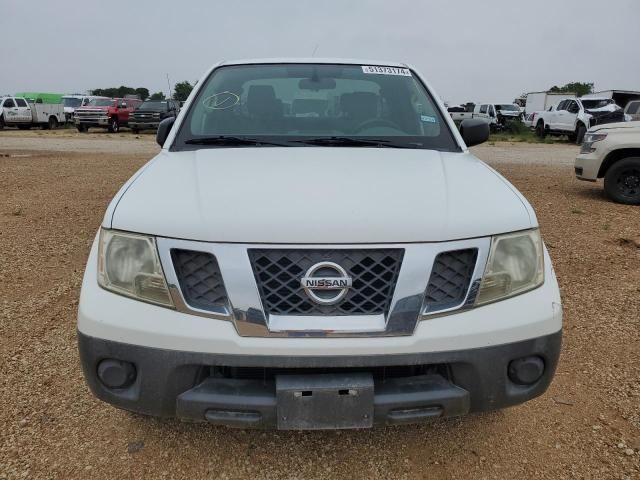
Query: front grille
point(199, 278)
point(601, 118)
point(278, 273)
point(450, 278)
point(91, 113)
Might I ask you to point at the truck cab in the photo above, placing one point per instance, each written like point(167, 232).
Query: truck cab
point(498, 114)
point(315, 247)
point(574, 116)
point(109, 113)
point(151, 112)
point(18, 112)
point(72, 101)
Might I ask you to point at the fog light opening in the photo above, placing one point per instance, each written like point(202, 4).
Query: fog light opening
point(526, 370)
point(116, 373)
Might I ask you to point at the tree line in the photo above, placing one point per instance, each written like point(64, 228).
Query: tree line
point(181, 91)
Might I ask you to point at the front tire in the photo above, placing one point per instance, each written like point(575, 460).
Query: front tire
point(580, 131)
point(114, 126)
point(540, 130)
point(82, 128)
point(1, 123)
point(53, 123)
point(622, 181)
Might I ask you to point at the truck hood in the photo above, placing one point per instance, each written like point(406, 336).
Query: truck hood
point(318, 195)
point(617, 126)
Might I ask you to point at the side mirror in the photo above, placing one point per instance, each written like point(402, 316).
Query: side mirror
point(474, 131)
point(163, 130)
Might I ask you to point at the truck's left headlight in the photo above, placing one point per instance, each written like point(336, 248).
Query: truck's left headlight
point(515, 265)
point(128, 264)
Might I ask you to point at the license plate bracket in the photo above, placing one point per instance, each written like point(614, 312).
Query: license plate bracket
point(324, 401)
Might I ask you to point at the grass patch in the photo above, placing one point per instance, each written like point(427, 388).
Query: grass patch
point(524, 136)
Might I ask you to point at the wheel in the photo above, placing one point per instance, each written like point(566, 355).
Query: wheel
point(540, 130)
point(1, 123)
point(580, 131)
point(114, 126)
point(53, 123)
point(622, 181)
point(82, 128)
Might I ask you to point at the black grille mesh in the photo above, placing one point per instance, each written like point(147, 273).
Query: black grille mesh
point(278, 273)
point(200, 279)
point(450, 278)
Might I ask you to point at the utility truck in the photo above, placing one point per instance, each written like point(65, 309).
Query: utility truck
point(18, 112)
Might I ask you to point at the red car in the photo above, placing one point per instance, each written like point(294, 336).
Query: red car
point(111, 113)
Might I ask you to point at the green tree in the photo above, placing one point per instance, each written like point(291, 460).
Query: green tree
point(121, 92)
point(182, 90)
point(579, 88)
point(142, 92)
point(157, 96)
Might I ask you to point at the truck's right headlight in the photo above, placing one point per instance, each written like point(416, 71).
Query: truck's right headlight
point(515, 265)
point(128, 264)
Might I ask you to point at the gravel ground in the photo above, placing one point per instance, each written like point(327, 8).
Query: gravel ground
point(586, 426)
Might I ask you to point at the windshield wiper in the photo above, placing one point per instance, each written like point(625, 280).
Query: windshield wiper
point(233, 141)
point(355, 142)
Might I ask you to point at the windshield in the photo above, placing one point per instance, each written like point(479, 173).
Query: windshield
point(596, 103)
point(71, 102)
point(292, 103)
point(154, 105)
point(508, 107)
point(101, 102)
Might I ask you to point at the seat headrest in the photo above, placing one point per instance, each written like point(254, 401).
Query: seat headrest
point(261, 101)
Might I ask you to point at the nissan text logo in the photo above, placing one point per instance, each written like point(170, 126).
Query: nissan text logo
point(326, 283)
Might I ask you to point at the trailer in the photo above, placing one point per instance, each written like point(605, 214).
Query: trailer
point(541, 101)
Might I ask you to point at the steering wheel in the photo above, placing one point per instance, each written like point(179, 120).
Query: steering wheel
point(377, 122)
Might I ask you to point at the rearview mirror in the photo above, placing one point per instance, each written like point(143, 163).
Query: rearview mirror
point(474, 131)
point(163, 130)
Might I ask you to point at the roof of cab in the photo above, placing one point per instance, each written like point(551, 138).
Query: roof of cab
point(339, 61)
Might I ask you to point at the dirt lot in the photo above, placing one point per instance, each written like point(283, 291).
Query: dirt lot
point(53, 192)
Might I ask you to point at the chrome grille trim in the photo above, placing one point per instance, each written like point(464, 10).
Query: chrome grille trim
point(247, 313)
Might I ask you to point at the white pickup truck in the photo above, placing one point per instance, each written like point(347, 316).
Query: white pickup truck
point(275, 269)
point(612, 152)
point(574, 116)
point(18, 112)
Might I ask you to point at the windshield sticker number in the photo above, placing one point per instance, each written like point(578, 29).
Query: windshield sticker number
point(377, 70)
point(221, 101)
point(428, 118)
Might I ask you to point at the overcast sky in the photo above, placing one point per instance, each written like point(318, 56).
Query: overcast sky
point(467, 49)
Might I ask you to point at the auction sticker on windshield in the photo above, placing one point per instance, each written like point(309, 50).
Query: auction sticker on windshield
point(405, 72)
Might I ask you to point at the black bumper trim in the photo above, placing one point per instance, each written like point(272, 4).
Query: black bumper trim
point(164, 376)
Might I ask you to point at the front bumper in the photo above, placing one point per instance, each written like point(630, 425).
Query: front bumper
point(241, 391)
point(144, 125)
point(587, 165)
